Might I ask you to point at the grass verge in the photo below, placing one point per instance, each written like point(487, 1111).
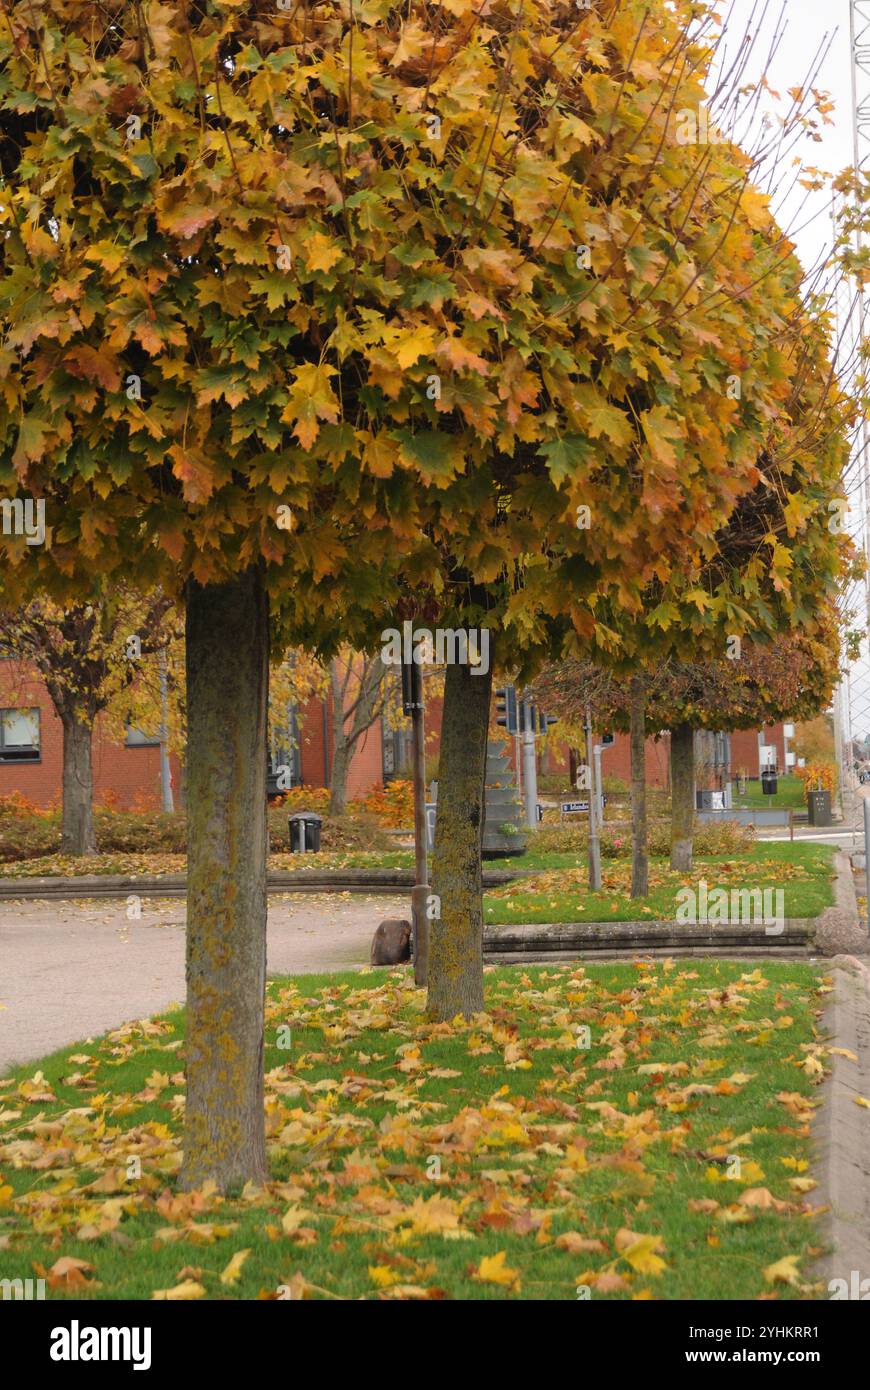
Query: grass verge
point(804, 872)
point(501, 1158)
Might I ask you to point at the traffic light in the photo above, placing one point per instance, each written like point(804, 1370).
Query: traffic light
point(527, 717)
point(506, 708)
point(545, 720)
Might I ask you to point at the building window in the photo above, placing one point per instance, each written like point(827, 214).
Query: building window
point(19, 735)
point(137, 738)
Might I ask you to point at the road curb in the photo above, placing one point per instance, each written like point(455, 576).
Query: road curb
point(841, 1130)
point(517, 944)
point(175, 885)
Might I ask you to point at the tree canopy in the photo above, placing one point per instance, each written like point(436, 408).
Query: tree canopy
point(383, 295)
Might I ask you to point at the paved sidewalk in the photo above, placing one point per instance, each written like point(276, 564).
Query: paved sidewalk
point(72, 970)
point(842, 1131)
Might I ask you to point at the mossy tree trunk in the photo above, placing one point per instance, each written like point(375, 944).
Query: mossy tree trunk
point(227, 692)
point(639, 861)
point(340, 748)
point(682, 797)
point(77, 823)
point(456, 936)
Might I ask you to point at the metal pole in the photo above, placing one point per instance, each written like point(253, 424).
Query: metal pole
point(530, 769)
point(859, 15)
point(599, 789)
point(866, 801)
point(594, 843)
point(420, 891)
point(165, 769)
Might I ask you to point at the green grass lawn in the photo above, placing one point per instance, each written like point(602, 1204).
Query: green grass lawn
point(789, 793)
point(604, 1163)
point(803, 871)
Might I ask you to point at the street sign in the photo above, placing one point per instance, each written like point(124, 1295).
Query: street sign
point(569, 807)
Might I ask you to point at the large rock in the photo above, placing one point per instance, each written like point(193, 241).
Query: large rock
point(840, 929)
point(391, 943)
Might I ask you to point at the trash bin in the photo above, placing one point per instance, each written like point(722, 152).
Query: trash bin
point(819, 807)
point(769, 783)
point(305, 832)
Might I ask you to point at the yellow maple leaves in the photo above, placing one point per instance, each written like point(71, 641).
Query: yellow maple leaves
point(311, 399)
point(493, 1269)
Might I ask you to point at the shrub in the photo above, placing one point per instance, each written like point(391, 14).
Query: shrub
point(722, 837)
point(711, 837)
point(28, 837)
point(132, 832)
point(14, 803)
point(392, 805)
point(567, 838)
point(37, 833)
point(818, 777)
point(302, 799)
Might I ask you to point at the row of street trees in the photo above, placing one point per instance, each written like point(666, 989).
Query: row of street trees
point(791, 677)
point(313, 316)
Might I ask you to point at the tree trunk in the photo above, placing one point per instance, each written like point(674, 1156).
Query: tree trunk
point(227, 684)
point(456, 936)
point(77, 834)
point(340, 759)
point(639, 862)
point(682, 796)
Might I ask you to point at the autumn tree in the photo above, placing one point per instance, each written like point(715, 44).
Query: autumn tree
point(791, 677)
point(90, 656)
point(359, 689)
point(643, 435)
point(307, 311)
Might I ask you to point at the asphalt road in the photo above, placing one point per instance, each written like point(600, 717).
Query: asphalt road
point(73, 970)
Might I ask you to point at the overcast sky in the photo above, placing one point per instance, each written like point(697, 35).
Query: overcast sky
point(810, 23)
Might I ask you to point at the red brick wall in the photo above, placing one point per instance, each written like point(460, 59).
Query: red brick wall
point(366, 764)
point(616, 760)
point(129, 776)
point(744, 748)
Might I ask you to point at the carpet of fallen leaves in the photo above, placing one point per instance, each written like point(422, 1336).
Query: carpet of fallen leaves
point(70, 866)
point(631, 1131)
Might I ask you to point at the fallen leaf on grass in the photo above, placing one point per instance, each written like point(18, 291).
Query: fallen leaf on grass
point(763, 1199)
point(67, 1273)
point(575, 1244)
point(233, 1272)
point(640, 1250)
point(785, 1271)
point(184, 1292)
point(493, 1270)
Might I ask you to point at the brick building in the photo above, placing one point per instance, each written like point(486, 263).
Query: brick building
point(128, 774)
point(31, 751)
